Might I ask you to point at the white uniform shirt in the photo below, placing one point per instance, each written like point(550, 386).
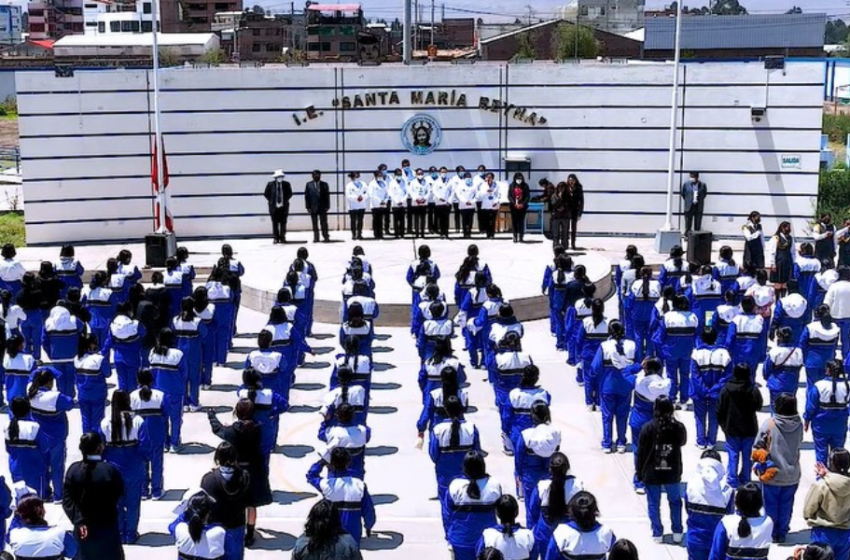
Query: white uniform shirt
point(37, 542)
point(838, 299)
point(591, 545)
point(265, 361)
point(515, 547)
point(441, 192)
point(210, 546)
point(11, 270)
point(357, 195)
point(379, 194)
point(419, 192)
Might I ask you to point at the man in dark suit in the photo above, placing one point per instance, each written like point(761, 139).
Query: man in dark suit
point(317, 200)
point(278, 192)
point(694, 192)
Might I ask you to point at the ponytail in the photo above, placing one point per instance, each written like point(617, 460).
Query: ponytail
point(42, 378)
point(597, 311)
point(451, 387)
point(343, 376)
point(145, 380)
point(20, 410)
point(824, 316)
point(196, 527)
point(559, 466)
point(744, 529)
point(507, 511)
point(253, 380)
point(6, 300)
point(454, 410)
point(748, 501)
point(646, 277)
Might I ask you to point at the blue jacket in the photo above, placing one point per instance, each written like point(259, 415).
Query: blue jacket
point(705, 294)
point(433, 411)
point(782, 368)
point(747, 337)
point(726, 274)
point(819, 345)
point(356, 509)
point(792, 311)
point(170, 372)
point(49, 410)
point(589, 338)
point(468, 517)
point(568, 541)
point(647, 390)
point(125, 339)
point(153, 414)
point(538, 508)
point(610, 367)
point(516, 417)
point(101, 304)
point(726, 539)
point(708, 498)
point(675, 335)
point(27, 453)
point(18, 371)
point(639, 310)
point(711, 367)
point(61, 334)
point(825, 416)
point(448, 459)
point(92, 371)
point(429, 374)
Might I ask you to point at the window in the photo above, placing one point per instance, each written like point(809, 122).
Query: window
point(101, 27)
point(146, 7)
point(326, 47)
point(255, 47)
point(584, 10)
point(197, 7)
point(36, 13)
point(91, 6)
point(147, 26)
point(346, 30)
point(91, 24)
point(134, 26)
point(602, 11)
point(348, 46)
point(115, 27)
point(221, 7)
point(313, 47)
point(269, 32)
point(37, 27)
point(126, 27)
point(272, 47)
point(256, 32)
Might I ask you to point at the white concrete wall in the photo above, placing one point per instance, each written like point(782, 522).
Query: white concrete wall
point(86, 140)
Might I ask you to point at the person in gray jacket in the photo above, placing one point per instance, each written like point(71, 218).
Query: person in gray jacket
point(324, 537)
point(782, 437)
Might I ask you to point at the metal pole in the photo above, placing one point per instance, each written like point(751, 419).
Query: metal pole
point(578, 28)
point(161, 199)
point(432, 22)
point(406, 39)
point(674, 113)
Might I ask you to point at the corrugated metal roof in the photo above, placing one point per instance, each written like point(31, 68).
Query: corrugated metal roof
point(737, 32)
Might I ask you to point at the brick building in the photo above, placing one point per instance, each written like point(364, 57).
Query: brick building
point(193, 16)
point(53, 19)
point(258, 37)
point(332, 31)
point(542, 39)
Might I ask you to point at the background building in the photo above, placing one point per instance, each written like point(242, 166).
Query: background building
point(132, 46)
point(193, 16)
point(10, 25)
point(613, 16)
point(103, 17)
point(53, 19)
point(253, 36)
point(332, 31)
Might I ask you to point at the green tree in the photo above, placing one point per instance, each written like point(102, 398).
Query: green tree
point(573, 41)
point(213, 56)
point(258, 10)
point(168, 57)
point(795, 10)
point(836, 32)
point(525, 47)
point(727, 8)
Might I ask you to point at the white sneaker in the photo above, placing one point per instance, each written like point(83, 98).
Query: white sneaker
point(621, 449)
point(590, 408)
point(194, 408)
point(659, 540)
point(640, 490)
point(677, 537)
point(607, 450)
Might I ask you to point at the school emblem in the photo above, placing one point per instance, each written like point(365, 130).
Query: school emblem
point(421, 135)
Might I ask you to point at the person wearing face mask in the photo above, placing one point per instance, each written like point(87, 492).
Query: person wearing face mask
point(419, 193)
point(357, 195)
point(456, 182)
point(694, 192)
point(824, 234)
point(408, 175)
point(317, 200)
point(518, 197)
point(490, 201)
point(432, 176)
point(277, 194)
point(442, 194)
point(753, 241)
point(480, 187)
point(467, 197)
point(398, 202)
point(379, 198)
point(388, 177)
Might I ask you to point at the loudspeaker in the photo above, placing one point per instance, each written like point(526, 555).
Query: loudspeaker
point(158, 247)
point(699, 247)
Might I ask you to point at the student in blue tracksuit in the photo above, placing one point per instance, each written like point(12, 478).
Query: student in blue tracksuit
point(347, 391)
point(613, 359)
point(286, 341)
point(345, 433)
point(171, 377)
point(194, 534)
point(711, 368)
point(430, 373)
point(359, 364)
point(26, 447)
point(582, 536)
point(292, 282)
point(819, 341)
point(205, 311)
point(221, 296)
point(628, 279)
point(791, 311)
point(639, 305)
point(572, 323)
point(69, 270)
point(125, 340)
point(11, 313)
point(705, 294)
point(782, 367)
point(746, 338)
point(622, 267)
point(505, 369)
point(127, 268)
point(173, 281)
point(92, 370)
point(708, 498)
point(470, 307)
point(268, 406)
point(420, 273)
point(806, 269)
point(434, 409)
point(187, 269)
point(266, 361)
point(33, 538)
point(149, 404)
point(116, 282)
point(546, 508)
point(99, 301)
point(533, 448)
point(11, 270)
point(308, 274)
point(561, 277)
point(590, 335)
point(506, 322)
point(235, 271)
point(547, 280)
point(358, 326)
point(649, 384)
point(31, 299)
point(508, 537)
point(189, 330)
point(726, 270)
point(360, 293)
point(488, 315)
point(50, 410)
point(724, 315)
point(465, 276)
point(826, 412)
point(676, 338)
point(60, 340)
point(429, 295)
point(17, 367)
point(450, 441)
point(470, 506)
point(431, 330)
point(356, 509)
point(744, 282)
point(673, 269)
point(128, 448)
point(520, 402)
point(746, 534)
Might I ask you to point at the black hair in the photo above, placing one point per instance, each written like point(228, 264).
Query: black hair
point(424, 252)
point(244, 412)
point(442, 350)
point(580, 273)
point(565, 265)
point(506, 311)
point(667, 295)
point(818, 551)
point(200, 299)
point(98, 280)
point(807, 250)
point(652, 365)
point(145, 380)
point(507, 510)
point(681, 303)
point(709, 336)
point(662, 412)
point(726, 254)
point(42, 378)
point(86, 343)
point(490, 553)
point(749, 501)
point(588, 290)
point(15, 345)
point(226, 455)
point(761, 277)
point(597, 311)
point(623, 549)
point(748, 305)
point(197, 515)
point(449, 382)
point(494, 292)
point(277, 316)
point(540, 413)
point(474, 469)
point(122, 416)
point(351, 345)
point(835, 370)
point(253, 381)
point(66, 251)
point(646, 277)
point(710, 454)
point(676, 253)
point(823, 314)
point(584, 511)
point(323, 526)
point(356, 317)
point(786, 405)
point(783, 335)
point(20, 411)
point(617, 332)
point(530, 376)
point(164, 342)
point(559, 468)
point(454, 410)
point(8, 251)
point(264, 339)
point(345, 413)
point(839, 461)
point(437, 309)
point(340, 460)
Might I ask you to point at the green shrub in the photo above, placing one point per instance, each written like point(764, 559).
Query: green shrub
point(837, 127)
point(834, 194)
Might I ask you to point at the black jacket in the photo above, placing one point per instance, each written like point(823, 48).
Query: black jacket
point(521, 201)
point(660, 453)
point(317, 197)
point(160, 298)
point(269, 193)
point(248, 444)
point(736, 409)
point(91, 498)
point(231, 497)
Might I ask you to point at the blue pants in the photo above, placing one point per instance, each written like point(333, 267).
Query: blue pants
point(736, 448)
point(614, 406)
point(54, 458)
point(65, 384)
point(173, 405)
point(463, 553)
point(838, 539)
point(560, 330)
point(778, 504)
point(193, 366)
point(553, 317)
point(31, 329)
point(130, 506)
point(473, 346)
point(678, 370)
point(92, 413)
point(153, 470)
point(643, 341)
point(126, 374)
point(234, 544)
point(705, 414)
point(101, 333)
point(207, 359)
point(223, 336)
point(813, 375)
point(443, 487)
point(591, 394)
point(674, 500)
point(826, 441)
point(845, 336)
point(503, 401)
point(698, 553)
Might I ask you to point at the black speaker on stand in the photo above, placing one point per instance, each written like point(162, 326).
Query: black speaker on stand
point(158, 247)
point(699, 247)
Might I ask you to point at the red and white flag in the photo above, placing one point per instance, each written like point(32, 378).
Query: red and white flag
point(169, 224)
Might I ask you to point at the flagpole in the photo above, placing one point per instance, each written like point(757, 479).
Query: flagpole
point(158, 152)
